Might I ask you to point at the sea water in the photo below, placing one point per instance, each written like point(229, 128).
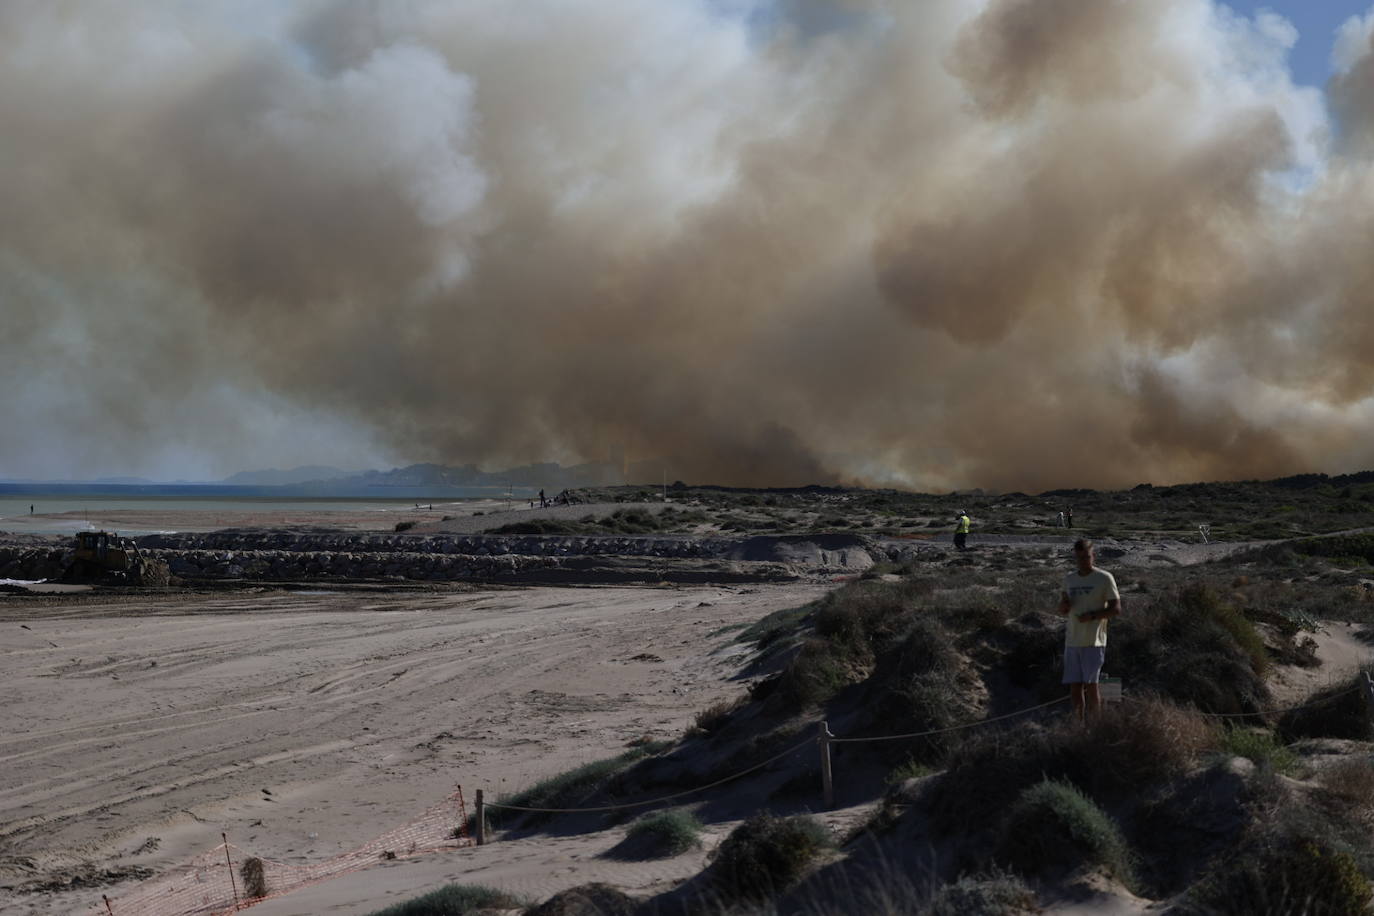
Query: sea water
point(85, 511)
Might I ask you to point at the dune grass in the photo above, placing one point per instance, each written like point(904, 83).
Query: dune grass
point(766, 854)
point(455, 900)
point(661, 835)
point(1054, 825)
point(572, 788)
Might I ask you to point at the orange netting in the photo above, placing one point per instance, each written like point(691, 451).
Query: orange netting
point(213, 883)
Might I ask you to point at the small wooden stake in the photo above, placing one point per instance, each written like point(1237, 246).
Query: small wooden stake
point(481, 820)
point(230, 862)
point(827, 780)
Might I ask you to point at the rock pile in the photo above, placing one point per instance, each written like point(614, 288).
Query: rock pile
point(287, 556)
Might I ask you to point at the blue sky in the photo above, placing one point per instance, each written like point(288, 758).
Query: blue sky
point(1316, 22)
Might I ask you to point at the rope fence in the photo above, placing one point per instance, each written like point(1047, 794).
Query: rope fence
point(661, 798)
point(226, 879)
point(824, 739)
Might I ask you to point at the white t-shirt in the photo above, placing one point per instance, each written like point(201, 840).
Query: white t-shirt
point(1088, 593)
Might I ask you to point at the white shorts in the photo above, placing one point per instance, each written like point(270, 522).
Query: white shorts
point(1083, 664)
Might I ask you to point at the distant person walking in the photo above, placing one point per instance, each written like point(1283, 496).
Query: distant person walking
point(1089, 599)
point(1068, 516)
point(961, 530)
point(543, 503)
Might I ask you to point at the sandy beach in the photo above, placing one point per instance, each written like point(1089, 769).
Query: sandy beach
point(302, 724)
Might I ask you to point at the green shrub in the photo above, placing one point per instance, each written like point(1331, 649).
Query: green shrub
point(587, 900)
point(1053, 825)
point(911, 769)
point(1193, 648)
point(764, 855)
point(1260, 746)
point(715, 717)
point(404, 526)
point(573, 787)
point(815, 675)
point(777, 627)
point(1353, 548)
point(1121, 754)
point(1338, 711)
point(661, 835)
point(1352, 781)
point(454, 900)
point(1202, 601)
point(545, 526)
point(993, 894)
point(852, 623)
point(1301, 877)
point(631, 521)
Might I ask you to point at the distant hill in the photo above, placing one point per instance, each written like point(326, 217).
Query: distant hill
point(547, 475)
point(307, 473)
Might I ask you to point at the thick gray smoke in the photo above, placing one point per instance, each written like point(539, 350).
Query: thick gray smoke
point(1016, 244)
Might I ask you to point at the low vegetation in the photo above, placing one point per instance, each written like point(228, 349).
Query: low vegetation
point(953, 661)
point(765, 855)
point(1260, 746)
point(1297, 875)
point(572, 788)
point(660, 835)
point(455, 900)
point(636, 521)
point(1054, 826)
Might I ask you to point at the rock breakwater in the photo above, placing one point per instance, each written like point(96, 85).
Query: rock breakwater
point(294, 556)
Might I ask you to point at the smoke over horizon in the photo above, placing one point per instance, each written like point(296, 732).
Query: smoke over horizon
point(1015, 244)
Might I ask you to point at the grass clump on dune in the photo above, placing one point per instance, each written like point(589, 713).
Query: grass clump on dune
point(545, 526)
point(1054, 825)
point(992, 894)
point(593, 899)
point(1259, 746)
point(573, 787)
point(765, 855)
point(852, 625)
point(1338, 711)
point(1119, 755)
point(659, 835)
point(454, 900)
point(1301, 876)
point(1194, 648)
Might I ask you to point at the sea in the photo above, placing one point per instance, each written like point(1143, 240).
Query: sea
point(84, 507)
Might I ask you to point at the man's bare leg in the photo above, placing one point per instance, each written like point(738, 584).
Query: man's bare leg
point(1076, 694)
point(1094, 700)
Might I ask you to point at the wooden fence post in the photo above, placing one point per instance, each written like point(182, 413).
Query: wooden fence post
point(827, 780)
point(481, 820)
point(1369, 695)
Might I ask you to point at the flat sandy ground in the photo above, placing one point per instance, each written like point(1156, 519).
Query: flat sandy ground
point(136, 729)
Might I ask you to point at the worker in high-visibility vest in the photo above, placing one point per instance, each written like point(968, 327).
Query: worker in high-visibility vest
point(961, 531)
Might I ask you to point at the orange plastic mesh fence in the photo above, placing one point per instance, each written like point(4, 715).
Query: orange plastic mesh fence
point(212, 883)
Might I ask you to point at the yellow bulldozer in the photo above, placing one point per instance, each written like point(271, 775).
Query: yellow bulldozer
point(105, 558)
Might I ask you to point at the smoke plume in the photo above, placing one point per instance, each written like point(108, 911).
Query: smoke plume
point(1016, 244)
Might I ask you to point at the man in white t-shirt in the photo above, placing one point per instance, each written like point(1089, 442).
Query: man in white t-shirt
point(1089, 600)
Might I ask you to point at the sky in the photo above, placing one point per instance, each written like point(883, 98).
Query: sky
point(1010, 244)
point(1315, 23)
